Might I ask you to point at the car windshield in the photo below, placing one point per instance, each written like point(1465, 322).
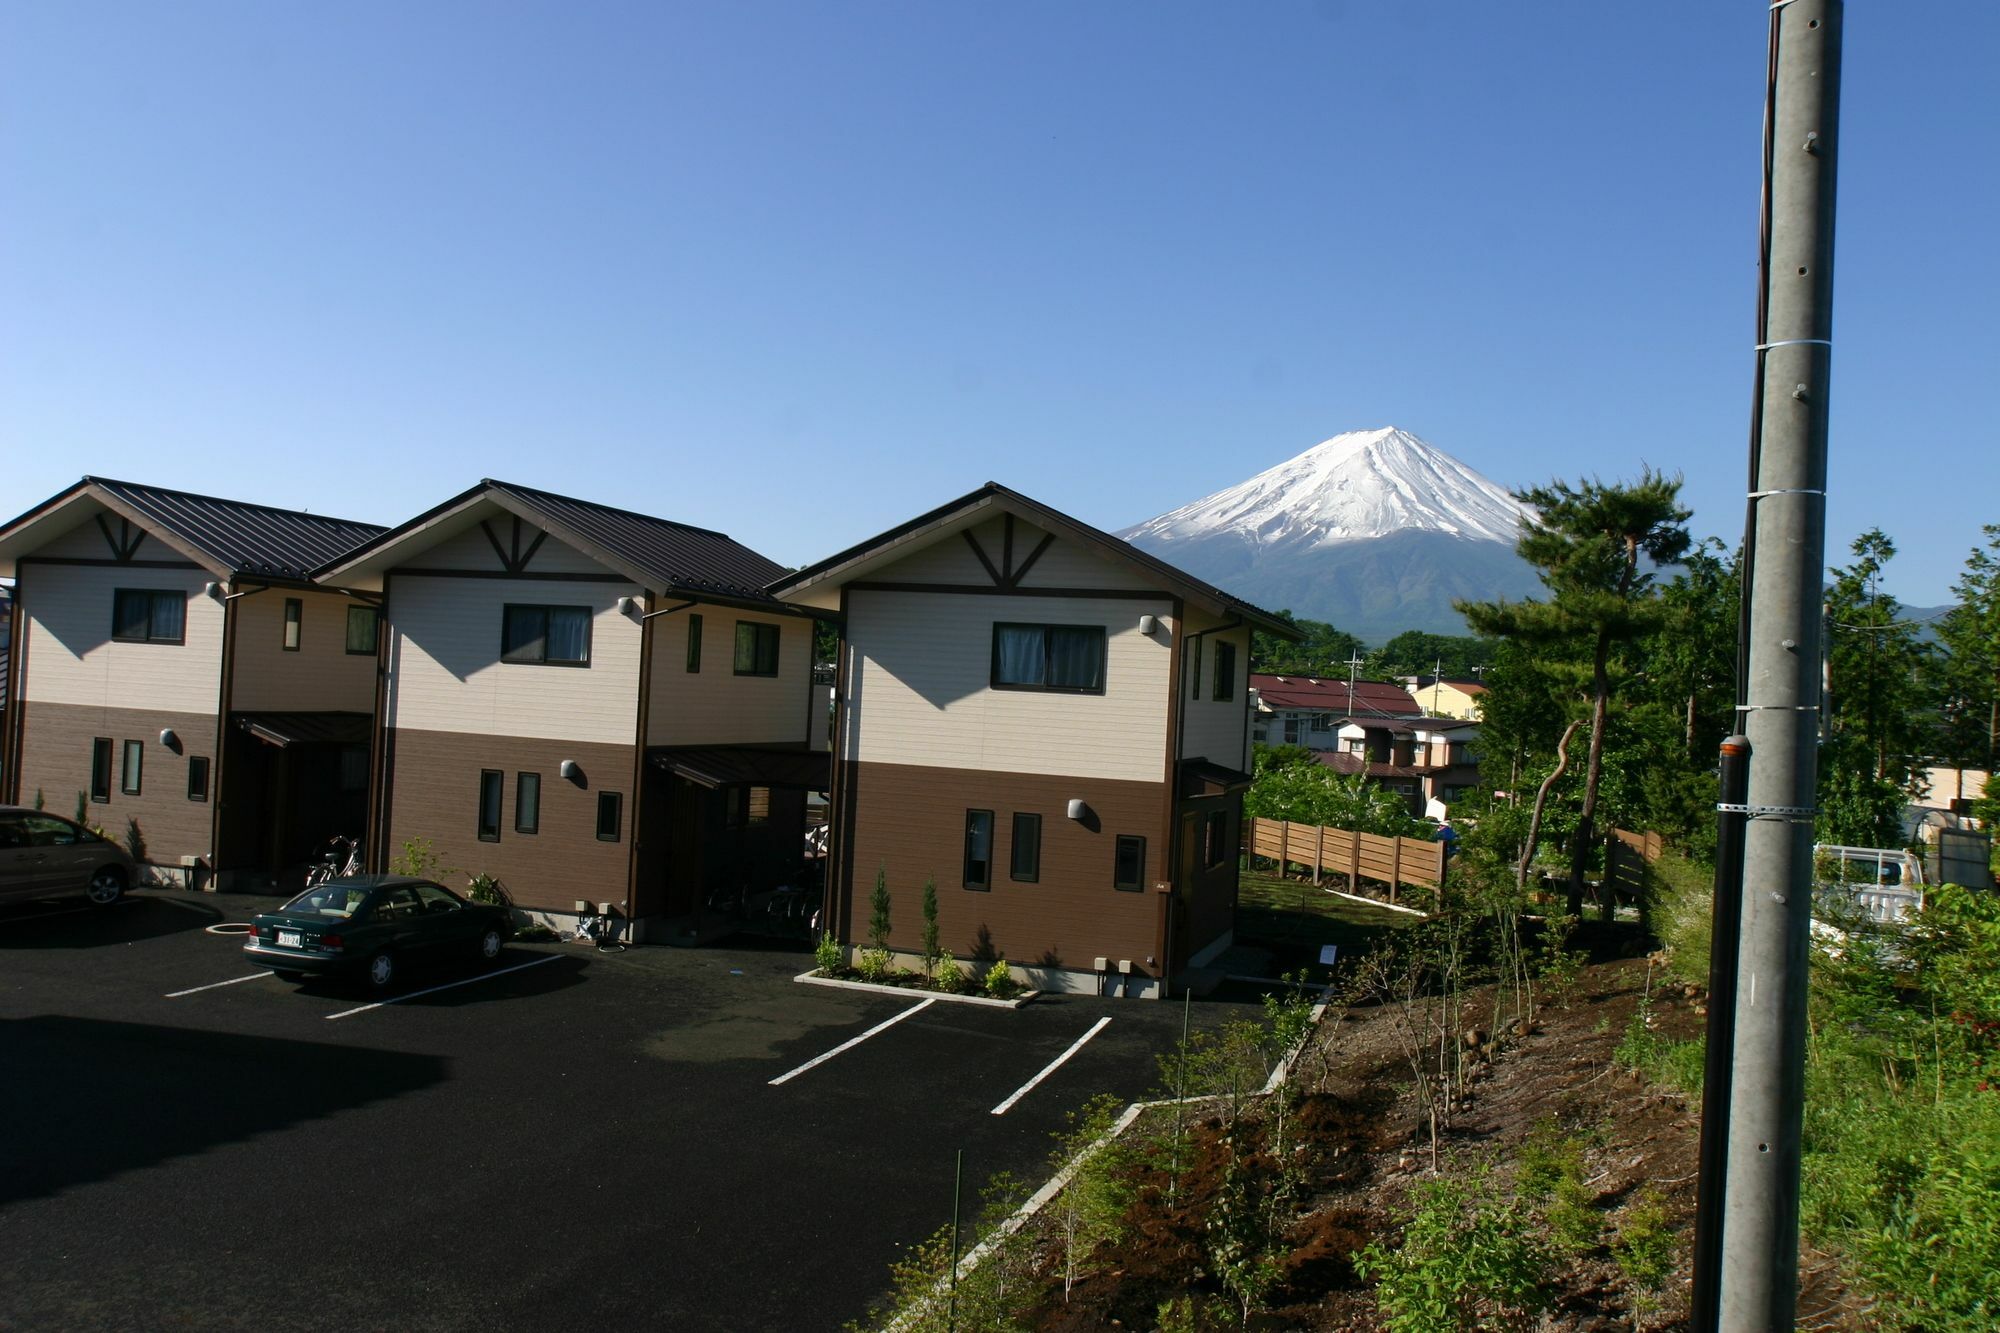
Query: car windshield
point(334, 900)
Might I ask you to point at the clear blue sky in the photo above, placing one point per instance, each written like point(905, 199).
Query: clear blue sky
point(799, 271)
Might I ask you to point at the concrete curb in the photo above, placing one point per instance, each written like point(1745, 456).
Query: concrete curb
point(813, 978)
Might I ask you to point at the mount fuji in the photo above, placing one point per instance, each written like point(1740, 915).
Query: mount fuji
point(1375, 531)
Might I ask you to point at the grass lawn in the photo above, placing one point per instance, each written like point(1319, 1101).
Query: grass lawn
point(1295, 917)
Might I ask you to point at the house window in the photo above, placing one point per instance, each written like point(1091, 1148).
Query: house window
point(1322, 721)
point(100, 769)
point(527, 802)
point(129, 771)
point(198, 778)
point(610, 815)
point(1026, 861)
point(1292, 730)
point(1128, 867)
point(144, 615)
point(756, 649)
point(364, 628)
point(1194, 672)
point(295, 611)
point(694, 644)
point(1225, 671)
point(489, 804)
point(1215, 839)
point(978, 849)
point(1049, 657)
point(545, 635)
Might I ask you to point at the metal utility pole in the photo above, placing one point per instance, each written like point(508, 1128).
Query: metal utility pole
point(1785, 547)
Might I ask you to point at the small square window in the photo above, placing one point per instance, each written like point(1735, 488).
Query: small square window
point(1128, 870)
point(364, 630)
point(756, 648)
point(1067, 658)
point(295, 612)
point(610, 816)
point(545, 635)
point(198, 778)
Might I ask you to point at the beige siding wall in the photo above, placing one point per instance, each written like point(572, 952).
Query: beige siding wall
point(471, 550)
point(919, 693)
point(71, 658)
point(446, 674)
point(1217, 730)
point(320, 677)
point(86, 542)
point(715, 706)
point(1068, 565)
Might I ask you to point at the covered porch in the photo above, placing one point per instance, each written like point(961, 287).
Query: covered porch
point(723, 842)
point(290, 782)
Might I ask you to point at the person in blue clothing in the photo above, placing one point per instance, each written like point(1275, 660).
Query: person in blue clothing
point(1447, 835)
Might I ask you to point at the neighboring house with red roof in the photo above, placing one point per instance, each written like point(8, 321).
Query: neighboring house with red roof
point(1307, 710)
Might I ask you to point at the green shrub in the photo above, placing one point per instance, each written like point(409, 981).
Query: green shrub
point(135, 840)
point(930, 909)
point(1644, 1252)
point(1466, 1260)
point(999, 982)
point(1551, 1179)
point(1684, 914)
point(951, 976)
point(419, 860)
point(878, 911)
point(873, 964)
point(484, 888)
point(826, 953)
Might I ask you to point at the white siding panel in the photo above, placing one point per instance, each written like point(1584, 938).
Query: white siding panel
point(320, 677)
point(1218, 730)
point(446, 673)
point(86, 542)
point(73, 660)
point(919, 690)
point(946, 560)
point(715, 706)
point(471, 550)
point(1067, 565)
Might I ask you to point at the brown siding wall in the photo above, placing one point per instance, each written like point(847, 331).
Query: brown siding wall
point(55, 756)
point(911, 820)
point(436, 796)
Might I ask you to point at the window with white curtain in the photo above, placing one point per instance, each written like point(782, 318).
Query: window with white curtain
point(1049, 657)
point(547, 635)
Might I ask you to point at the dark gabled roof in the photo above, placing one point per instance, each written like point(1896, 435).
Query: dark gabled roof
point(1172, 576)
point(656, 553)
point(228, 537)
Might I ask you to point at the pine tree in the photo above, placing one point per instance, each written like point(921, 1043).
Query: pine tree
point(1587, 541)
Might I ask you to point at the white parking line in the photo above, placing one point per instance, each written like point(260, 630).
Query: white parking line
point(1051, 1067)
point(432, 990)
point(851, 1042)
point(233, 981)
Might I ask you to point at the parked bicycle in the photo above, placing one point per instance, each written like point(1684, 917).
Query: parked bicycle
point(341, 858)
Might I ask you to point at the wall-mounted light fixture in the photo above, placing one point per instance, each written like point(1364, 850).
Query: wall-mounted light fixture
point(214, 590)
point(570, 770)
point(170, 740)
point(1147, 624)
point(1078, 810)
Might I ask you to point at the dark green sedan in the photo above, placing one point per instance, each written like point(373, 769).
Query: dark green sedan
point(374, 924)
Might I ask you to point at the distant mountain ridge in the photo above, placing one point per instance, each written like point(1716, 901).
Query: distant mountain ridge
point(1375, 531)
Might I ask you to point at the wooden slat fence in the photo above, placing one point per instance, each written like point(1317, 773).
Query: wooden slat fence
point(1390, 862)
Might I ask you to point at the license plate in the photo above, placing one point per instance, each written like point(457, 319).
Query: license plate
point(288, 939)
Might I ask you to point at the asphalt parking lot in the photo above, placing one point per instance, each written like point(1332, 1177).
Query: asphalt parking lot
point(671, 1138)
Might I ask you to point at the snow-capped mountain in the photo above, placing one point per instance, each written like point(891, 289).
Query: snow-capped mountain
point(1376, 531)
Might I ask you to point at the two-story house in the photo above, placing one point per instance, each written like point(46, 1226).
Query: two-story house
point(589, 704)
point(174, 663)
point(1309, 710)
point(1443, 697)
point(1051, 724)
point(1429, 761)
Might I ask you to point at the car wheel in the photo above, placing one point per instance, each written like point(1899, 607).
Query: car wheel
point(381, 970)
point(107, 886)
point(490, 943)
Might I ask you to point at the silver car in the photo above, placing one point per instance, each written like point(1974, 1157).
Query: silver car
point(46, 856)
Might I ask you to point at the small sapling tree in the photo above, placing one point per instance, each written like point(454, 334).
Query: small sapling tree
point(931, 950)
